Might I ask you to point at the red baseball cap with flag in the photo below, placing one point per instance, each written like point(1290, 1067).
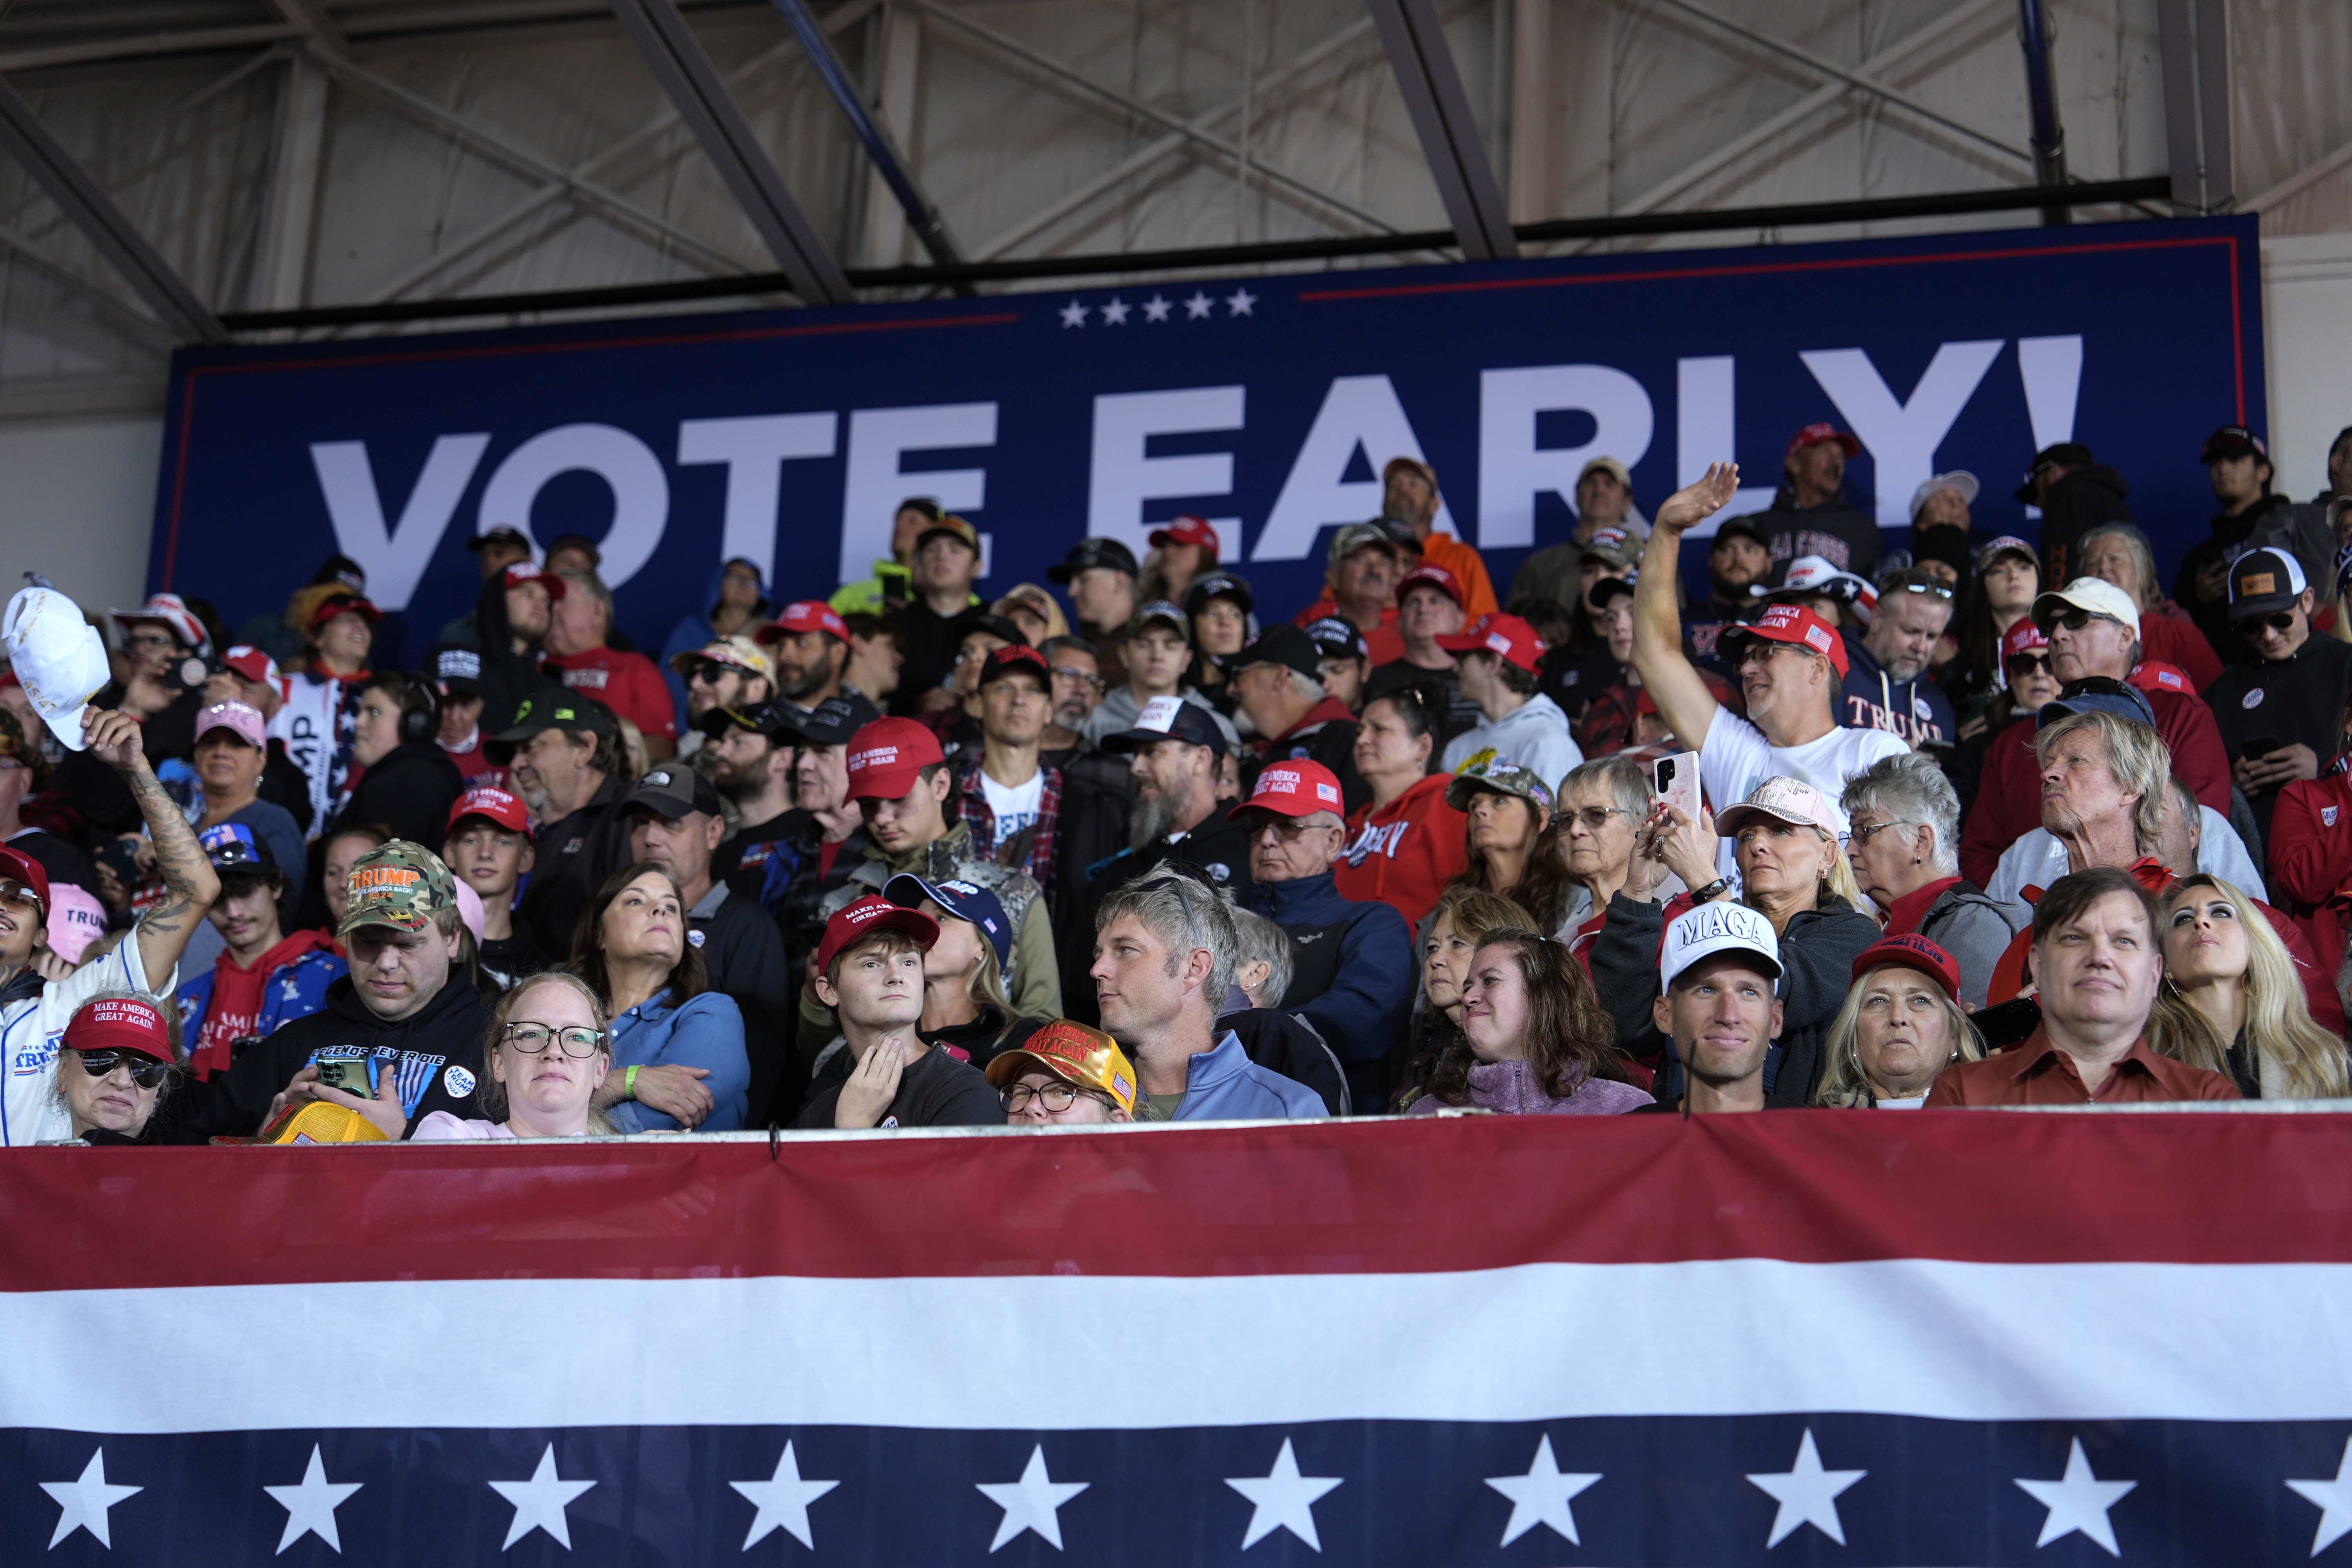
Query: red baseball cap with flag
point(1791, 624)
point(803, 616)
point(120, 1024)
point(252, 664)
point(2022, 637)
point(2155, 675)
point(1814, 435)
point(1294, 787)
point(1508, 637)
point(1186, 530)
point(487, 801)
point(887, 756)
point(1438, 577)
point(518, 573)
point(1911, 950)
point(871, 913)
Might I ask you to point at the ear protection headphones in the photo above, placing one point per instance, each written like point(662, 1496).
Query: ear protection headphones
point(420, 710)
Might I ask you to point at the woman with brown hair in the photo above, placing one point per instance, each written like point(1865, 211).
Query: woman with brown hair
point(2231, 1001)
point(548, 1054)
point(1535, 1039)
point(670, 1032)
point(1513, 840)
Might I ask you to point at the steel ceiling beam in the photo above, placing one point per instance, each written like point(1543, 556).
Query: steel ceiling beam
point(1415, 41)
point(677, 61)
point(93, 211)
point(147, 46)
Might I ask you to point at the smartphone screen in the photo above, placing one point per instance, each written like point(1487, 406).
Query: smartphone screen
point(1675, 779)
point(352, 1075)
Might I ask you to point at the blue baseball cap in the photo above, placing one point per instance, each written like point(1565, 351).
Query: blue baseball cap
point(964, 901)
point(231, 847)
point(2098, 694)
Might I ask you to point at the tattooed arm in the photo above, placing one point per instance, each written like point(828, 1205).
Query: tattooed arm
point(190, 884)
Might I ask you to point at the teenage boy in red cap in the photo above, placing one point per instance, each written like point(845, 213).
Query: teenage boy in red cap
point(1430, 606)
point(868, 970)
point(1352, 967)
point(489, 848)
point(1810, 515)
point(1497, 658)
point(902, 783)
point(33, 1015)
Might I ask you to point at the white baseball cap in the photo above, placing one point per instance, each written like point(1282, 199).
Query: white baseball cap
point(58, 656)
point(1959, 479)
point(1719, 927)
point(2096, 594)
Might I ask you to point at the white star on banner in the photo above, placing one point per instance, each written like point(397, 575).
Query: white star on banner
point(783, 1501)
point(2335, 1500)
point(2078, 1501)
point(310, 1506)
point(83, 1503)
point(1033, 1503)
point(1115, 313)
point(1541, 1496)
point(1283, 1499)
point(1074, 314)
point(1156, 308)
point(1239, 301)
point(1807, 1494)
point(1198, 307)
point(539, 1502)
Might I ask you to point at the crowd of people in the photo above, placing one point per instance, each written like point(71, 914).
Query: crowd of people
point(1977, 821)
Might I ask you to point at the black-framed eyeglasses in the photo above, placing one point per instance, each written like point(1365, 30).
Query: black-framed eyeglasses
point(145, 1071)
point(1077, 676)
point(2277, 621)
point(1862, 831)
point(1057, 1096)
point(532, 1039)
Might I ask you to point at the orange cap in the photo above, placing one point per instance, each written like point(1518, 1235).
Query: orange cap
point(1075, 1054)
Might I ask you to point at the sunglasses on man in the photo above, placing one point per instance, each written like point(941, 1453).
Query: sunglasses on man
point(2276, 621)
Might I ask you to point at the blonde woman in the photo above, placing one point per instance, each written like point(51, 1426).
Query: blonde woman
point(2232, 1001)
point(549, 1049)
point(965, 1008)
point(1900, 1027)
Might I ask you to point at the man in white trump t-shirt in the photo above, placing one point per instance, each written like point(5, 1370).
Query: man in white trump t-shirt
point(1791, 665)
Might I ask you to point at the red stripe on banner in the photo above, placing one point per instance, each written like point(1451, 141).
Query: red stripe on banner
point(1811, 1186)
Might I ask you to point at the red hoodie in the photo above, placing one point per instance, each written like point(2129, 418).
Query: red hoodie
point(1405, 853)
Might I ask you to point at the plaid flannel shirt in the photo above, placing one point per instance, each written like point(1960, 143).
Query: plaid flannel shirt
point(982, 820)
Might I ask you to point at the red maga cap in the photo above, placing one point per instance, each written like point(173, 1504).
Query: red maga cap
point(2022, 637)
point(1294, 787)
point(1508, 637)
point(870, 913)
point(1911, 950)
point(521, 572)
point(1814, 435)
point(1438, 577)
point(252, 664)
point(1186, 530)
point(805, 615)
point(31, 872)
point(120, 1024)
point(486, 800)
point(1791, 624)
point(887, 756)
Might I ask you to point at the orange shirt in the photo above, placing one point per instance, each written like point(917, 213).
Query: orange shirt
point(1469, 569)
point(2038, 1073)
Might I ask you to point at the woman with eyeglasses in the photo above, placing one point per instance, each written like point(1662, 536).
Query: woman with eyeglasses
point(676, 1046)
point(1064, 1074)
point(2231, 1000)
point(2007, 576)
point(1904, 845)
point(119, 1060)
point(548, 1053)
point(1512, 839)
point(1535, 1039)
point(1603, 805)
point(1405, 845)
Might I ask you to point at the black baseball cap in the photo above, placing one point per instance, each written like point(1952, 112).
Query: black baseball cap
point(511, 537)
point(1018, 660)
point(1218, 585)
point(1743, 524)
point(995, 626)
point(1171, 719)
point(1337, 637)
point(673, 790)
point(459, 670)
point(2264, 582)
point(1088, 554)
point(830, 723)
point(2234, 441)
point(1282, 645)
point(549, 707)
point(2073, 454)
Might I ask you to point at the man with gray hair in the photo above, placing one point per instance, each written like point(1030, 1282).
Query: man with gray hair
point(1904, 850)
point(1278, 681)
point(580, 626)
point(1164, 955)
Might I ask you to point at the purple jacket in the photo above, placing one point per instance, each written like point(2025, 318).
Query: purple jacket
point(1510, 1089)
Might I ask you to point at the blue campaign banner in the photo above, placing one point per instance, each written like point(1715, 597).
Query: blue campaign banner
point(1267, 405)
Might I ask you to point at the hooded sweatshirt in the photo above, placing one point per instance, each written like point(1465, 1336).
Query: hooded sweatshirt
point(692, 634)
point(1535, 736)
point(1914, 711)
point(233, 1001)
point(1405, 853)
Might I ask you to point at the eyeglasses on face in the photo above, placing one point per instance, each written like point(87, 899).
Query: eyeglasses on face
point(531, 1039)
point(145, 1071)
point(17, 898)
point(710, 671)
point(1596, 817)
point(2276, 621)
point(1077, 676)
point(1862, 831)
point(2076, 620)
point(147, 640)
point(1057, 1096)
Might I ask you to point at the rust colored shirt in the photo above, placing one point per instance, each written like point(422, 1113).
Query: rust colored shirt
point(2038, 1073)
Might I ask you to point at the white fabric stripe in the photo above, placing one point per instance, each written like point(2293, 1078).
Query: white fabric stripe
point(1961, 1342)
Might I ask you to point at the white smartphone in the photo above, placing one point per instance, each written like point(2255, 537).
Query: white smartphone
point(1675, 778)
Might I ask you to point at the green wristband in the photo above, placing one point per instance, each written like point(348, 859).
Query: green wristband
point(629, 1084)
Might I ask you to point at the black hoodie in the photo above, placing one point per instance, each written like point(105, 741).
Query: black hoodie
point(410, 790)
point(2079, 500)
point(508, 676)
point(436, 1053)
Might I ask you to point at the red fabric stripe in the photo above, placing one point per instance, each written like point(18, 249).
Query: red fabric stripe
point(1389, 1196)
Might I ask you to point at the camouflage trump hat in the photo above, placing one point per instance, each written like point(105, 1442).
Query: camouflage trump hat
point(399, 884)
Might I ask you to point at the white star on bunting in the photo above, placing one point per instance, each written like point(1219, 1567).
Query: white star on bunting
point(1115, 313)
point(1156, 308)
point(1033, 1503)
point(1239, 301)
point(2078, 1501)
point(539, 1502)
point(311, 1506)
point(2335, 1500)
point(1283, 1499)
point(1074, 314)
point(1198, 307)
point(83, 1501)
point(1541, 1496)
point(783, 1501)
point(1807, 1494)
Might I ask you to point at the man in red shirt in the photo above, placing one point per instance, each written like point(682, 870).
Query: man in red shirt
point(2098, 961)
point(627, 683)
point(2093, 631)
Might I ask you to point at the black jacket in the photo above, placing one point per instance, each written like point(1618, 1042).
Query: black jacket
point(744, 954)
point(410, 790)
point(987, 1036)
point(571, 861)
point(1220, 848)
point(936, 1090)
point(2297, 700)
point(1331, 743)
point(807, 881)
point(2078, 502)
point(930, 642)
point(441, 1039)
point(1819, 949)
point(2272, 522)
point(742, 858)
point(508, 676)
point(1287, 1043)
point(1834, 531)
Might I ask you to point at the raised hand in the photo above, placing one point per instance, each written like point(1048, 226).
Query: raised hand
point(113, 737)
point(1700, 500)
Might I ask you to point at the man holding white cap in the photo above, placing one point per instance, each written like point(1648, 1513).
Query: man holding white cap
point(1720, 966)
point(32, 1016)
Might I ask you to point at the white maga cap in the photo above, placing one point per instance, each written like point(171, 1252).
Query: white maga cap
point(59, 658)
point(1719, 927)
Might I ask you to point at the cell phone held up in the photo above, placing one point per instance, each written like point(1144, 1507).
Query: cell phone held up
point(1675, 779)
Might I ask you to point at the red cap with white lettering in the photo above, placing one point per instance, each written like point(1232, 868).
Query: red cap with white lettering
point(497, 804)
point(1791, 624)
point(120, 1024)
point(872, 912)
point(1508, 637)
point(887, 756)
point(1294, 787)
